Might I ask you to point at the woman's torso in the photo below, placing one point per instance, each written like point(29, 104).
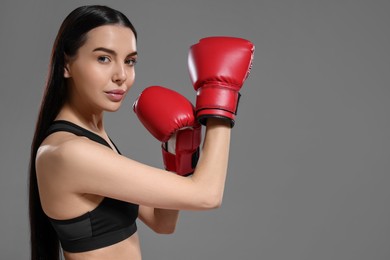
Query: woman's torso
point(128, 249)
point(59, 204)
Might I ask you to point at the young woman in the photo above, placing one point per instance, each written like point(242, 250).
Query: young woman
point(86, 196)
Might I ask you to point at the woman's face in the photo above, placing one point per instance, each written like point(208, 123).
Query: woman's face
point(102, 71)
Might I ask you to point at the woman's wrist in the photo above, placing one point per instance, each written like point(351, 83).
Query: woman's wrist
point(214, 121)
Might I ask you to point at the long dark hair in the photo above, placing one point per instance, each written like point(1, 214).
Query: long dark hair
point(71, 36)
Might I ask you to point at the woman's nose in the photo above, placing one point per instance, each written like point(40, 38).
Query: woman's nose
point(119, 75)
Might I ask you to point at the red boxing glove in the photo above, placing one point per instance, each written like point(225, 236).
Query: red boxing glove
point(218, 67)
point(169, 117)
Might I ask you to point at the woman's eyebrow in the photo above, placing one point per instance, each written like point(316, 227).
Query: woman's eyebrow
point(112, 52)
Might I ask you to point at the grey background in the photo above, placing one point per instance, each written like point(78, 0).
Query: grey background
point(309, 164)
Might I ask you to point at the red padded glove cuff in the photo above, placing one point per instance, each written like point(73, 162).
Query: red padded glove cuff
point(186, 156)
point(216, 101)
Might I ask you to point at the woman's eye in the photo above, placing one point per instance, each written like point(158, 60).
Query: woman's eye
point(131, 62)
point(103, 59)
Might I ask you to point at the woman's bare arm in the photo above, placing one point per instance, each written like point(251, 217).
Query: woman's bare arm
point(162, 221)
point(85, 167)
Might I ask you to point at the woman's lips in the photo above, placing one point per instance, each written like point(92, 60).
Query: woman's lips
point(115, 95)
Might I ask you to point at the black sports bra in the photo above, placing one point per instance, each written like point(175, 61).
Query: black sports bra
point(110, 222)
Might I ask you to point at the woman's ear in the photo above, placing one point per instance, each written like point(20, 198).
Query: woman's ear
point(67, 73)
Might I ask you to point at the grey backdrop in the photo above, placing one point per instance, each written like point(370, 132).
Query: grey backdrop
point(309, 164)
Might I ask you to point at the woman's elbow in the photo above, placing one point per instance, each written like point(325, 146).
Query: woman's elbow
point(212, 202)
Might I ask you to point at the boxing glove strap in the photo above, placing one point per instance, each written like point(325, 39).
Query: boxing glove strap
point(216, 101)
point(182, 164)
point(186, 152)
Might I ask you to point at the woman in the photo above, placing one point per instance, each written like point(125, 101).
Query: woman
point(81, 188)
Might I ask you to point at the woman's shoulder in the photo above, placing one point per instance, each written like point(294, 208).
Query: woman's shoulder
point(56, 144)
point(62, 150)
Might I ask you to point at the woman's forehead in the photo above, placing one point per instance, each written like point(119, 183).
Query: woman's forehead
point(115, 37)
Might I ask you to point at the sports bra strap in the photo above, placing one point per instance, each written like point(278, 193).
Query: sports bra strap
point(63, 125)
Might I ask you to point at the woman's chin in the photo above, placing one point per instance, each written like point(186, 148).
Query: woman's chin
point(114, 107)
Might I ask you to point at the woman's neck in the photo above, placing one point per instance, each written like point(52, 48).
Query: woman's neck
point(90, 121)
